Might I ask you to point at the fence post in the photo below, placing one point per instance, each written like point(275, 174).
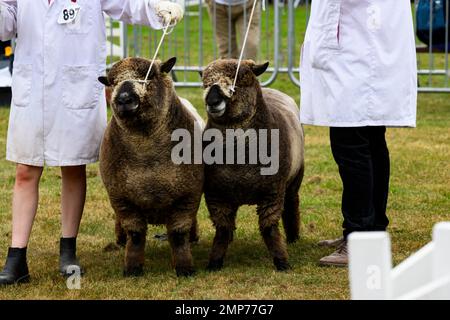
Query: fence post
point(370, 265)
point(124, 29)
point(441, 258)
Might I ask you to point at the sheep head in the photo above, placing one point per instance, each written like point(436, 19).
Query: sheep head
point(137, 103)
point(224, 106)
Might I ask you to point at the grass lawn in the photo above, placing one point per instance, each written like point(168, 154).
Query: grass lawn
point(419, 197)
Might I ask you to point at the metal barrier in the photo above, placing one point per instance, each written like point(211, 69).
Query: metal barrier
point(433, 64)
point(282, 27)
point(194, 41)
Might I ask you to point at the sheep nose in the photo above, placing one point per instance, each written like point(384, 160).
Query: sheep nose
point(214, 96)
point(124, 98)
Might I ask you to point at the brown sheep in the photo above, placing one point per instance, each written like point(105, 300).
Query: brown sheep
point(144, 185)
point(228, 186)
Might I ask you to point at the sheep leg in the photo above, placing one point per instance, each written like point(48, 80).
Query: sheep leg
point(193, 233)
point(181, 252)
point(269, 215)
point(179, 227)
point(134, 252)
point(221, 242)
point(224, 219)
point(291, 213)
point(121, 235)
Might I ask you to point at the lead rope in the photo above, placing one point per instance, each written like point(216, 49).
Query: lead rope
point(165, 33)
point(245, 41)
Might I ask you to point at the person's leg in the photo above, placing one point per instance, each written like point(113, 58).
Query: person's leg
point(73, 197)
point(252, 45)
point(223, 24)
point(381, 173)
point(24, 207)
point(232, 46)
point(25, 203)
point(351, 151)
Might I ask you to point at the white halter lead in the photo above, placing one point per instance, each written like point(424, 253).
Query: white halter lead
point(245, 42)
point(165, 32)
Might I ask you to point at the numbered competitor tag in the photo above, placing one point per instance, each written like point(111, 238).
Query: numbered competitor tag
point(69, 13)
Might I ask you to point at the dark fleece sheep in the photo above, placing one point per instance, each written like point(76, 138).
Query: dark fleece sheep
point(228, 186)
point(143, 184)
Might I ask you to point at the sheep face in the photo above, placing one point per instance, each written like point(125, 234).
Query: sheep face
point(134, 101)
point(224, 106)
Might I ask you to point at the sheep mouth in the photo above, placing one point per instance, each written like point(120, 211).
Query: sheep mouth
point(128, 108)
point(217, 110)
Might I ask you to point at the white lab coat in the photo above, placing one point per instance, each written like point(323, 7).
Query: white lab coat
point(58, 110)
point(358, 64)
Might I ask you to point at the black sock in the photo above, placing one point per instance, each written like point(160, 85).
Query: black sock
point(69, 243)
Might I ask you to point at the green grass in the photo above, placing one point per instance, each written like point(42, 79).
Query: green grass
point(419, 197)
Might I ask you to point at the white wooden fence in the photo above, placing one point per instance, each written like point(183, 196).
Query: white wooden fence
point(424, 275)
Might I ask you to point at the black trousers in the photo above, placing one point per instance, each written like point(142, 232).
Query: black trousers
point(362, 156)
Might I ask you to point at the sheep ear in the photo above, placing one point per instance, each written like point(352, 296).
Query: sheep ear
point(167, 66)
point(200, 73)
point(104, 81)
point(259, 69)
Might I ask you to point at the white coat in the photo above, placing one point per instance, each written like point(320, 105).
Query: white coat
point(58, 110)
point(358, 64)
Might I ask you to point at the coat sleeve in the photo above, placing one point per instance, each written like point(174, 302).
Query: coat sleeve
point(133, 11)
point(8, 19)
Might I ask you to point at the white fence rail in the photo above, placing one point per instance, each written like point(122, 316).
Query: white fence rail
point(424, 275)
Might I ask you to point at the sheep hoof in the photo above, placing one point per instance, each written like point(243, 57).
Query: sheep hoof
point(185, 271)
point(121, 244)
point(194, 240)
point(215, 265)
point(291, 240)
point(136, 271)
point(281, 264)
point(110, 247)
point(121, 241)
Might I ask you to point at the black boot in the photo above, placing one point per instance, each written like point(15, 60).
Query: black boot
point(68, 261)
point(16, 268)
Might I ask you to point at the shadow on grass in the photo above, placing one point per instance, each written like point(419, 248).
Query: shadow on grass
point(242, 254)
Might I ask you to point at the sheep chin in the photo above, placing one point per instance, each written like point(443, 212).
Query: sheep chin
point(218, 110)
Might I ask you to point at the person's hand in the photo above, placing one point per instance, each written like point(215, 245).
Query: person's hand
point(170, 12)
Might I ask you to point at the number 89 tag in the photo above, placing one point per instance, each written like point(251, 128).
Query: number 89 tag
point(69, 14)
